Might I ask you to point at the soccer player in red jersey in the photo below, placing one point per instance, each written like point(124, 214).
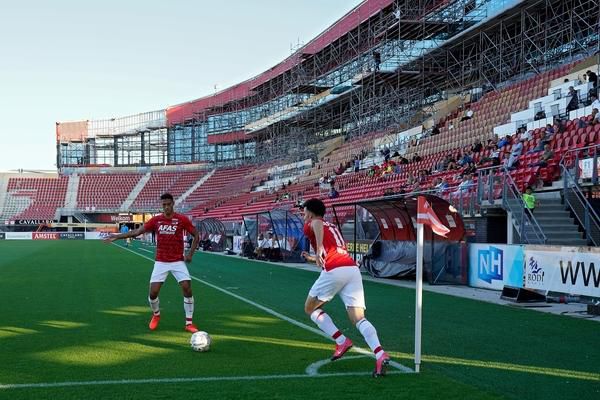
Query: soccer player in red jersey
point(339, 275)
point(169, 228)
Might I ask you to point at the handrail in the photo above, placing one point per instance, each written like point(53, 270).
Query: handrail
point(510, 188)
point(590, 218)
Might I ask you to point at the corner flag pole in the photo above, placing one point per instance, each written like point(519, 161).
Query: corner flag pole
point(419, 294)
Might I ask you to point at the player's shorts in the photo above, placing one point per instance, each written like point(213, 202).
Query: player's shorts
point(161, 271)
point(345, 281)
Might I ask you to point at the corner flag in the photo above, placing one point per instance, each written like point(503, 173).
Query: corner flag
point(426, 216)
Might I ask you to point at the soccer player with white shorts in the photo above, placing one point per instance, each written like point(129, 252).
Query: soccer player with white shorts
point(339, 275)
point(169, 228)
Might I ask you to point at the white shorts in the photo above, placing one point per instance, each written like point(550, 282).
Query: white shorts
point(162, 269)
point(346, 281)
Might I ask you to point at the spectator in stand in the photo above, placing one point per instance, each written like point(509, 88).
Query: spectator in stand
point(411, 179)
point(435, 130)
point(470, 169)
point(546, 156)
point(491, 145)
point(467, 158)
point(333, 194)
point(574, 102)
point(505, 140)
point(442, 185)
point(397, 168)
point(377, 59)
point(549, 131)
point(593, 78)
point(595, 117)
point(516, 152)
point(506, 160)
point(468, 114)
point(539, 115)
point(476, 148)
point(388, 192)
point(595, 102)
point(494, 158)
point(356, 164)
point(403, 160)
point(416, 158)
point(422, 178)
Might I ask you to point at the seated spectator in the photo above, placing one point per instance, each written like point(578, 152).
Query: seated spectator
point(494, 158)
point(411, 179)
point(516, 152)
point(466, 159)
point(505, 141)
point(385, 153)
point(388, 192)
point(476, 148)
point(403, 160)
point(397, 168)
point(468, 114)
point(435, 130)
point(574, 102)
point(491, 145)
point(595, 117)
point(539, 147)
point(546, 156)
point(549, 131)
point(442, 185)
point(422, 178)
point(595, 103)
point(470, 169)
point(416, 158)
point(333, 194)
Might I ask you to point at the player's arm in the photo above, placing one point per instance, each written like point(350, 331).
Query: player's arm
point(194, 246)
point(130, 234)
point(308, 257)
point(317, 227)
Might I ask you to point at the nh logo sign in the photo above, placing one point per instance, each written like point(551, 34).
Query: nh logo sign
point(490, 264)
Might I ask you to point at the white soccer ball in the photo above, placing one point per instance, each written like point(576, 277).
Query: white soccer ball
point(200, 341)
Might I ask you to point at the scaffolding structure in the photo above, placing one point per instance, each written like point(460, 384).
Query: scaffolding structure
point(387, 72)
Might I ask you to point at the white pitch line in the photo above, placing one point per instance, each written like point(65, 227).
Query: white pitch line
point(176, 380)
point(149, 251)
point(292, 321)
point(313, 369)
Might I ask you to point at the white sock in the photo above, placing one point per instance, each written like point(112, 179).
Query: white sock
point(325, 323)
point(370, 334)
point(154, 305)
point(188, 306)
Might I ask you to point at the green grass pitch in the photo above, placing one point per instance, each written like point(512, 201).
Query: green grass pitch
point(74, 315)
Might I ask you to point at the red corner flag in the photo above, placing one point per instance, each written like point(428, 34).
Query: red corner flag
point(426, 216)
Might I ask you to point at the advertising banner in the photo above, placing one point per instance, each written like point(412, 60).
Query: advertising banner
point(572, 270)
point(2, 235)
point(586, 168)
point(45, 236)
point(19, 235)
point(96, 235)
point(492, 266)
point(112, 218)
point(71, 236)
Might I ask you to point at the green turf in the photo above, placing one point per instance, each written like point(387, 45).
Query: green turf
point(77, 311)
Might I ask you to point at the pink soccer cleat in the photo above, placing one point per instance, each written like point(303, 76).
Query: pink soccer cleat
point(341, 349)
point(191, 328)
point(154, 322)
point(380, 365)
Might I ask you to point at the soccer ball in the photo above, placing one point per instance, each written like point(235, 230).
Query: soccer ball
point(200, 341)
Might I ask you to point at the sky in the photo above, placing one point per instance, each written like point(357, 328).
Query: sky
point(70, 60)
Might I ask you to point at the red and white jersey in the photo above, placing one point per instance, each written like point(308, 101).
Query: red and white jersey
point(169, 235)
point(336, 255)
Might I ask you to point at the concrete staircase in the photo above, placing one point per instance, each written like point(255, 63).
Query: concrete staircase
point(556, 221)
point(135, 192)
point(72, 190)
point(184, 196)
